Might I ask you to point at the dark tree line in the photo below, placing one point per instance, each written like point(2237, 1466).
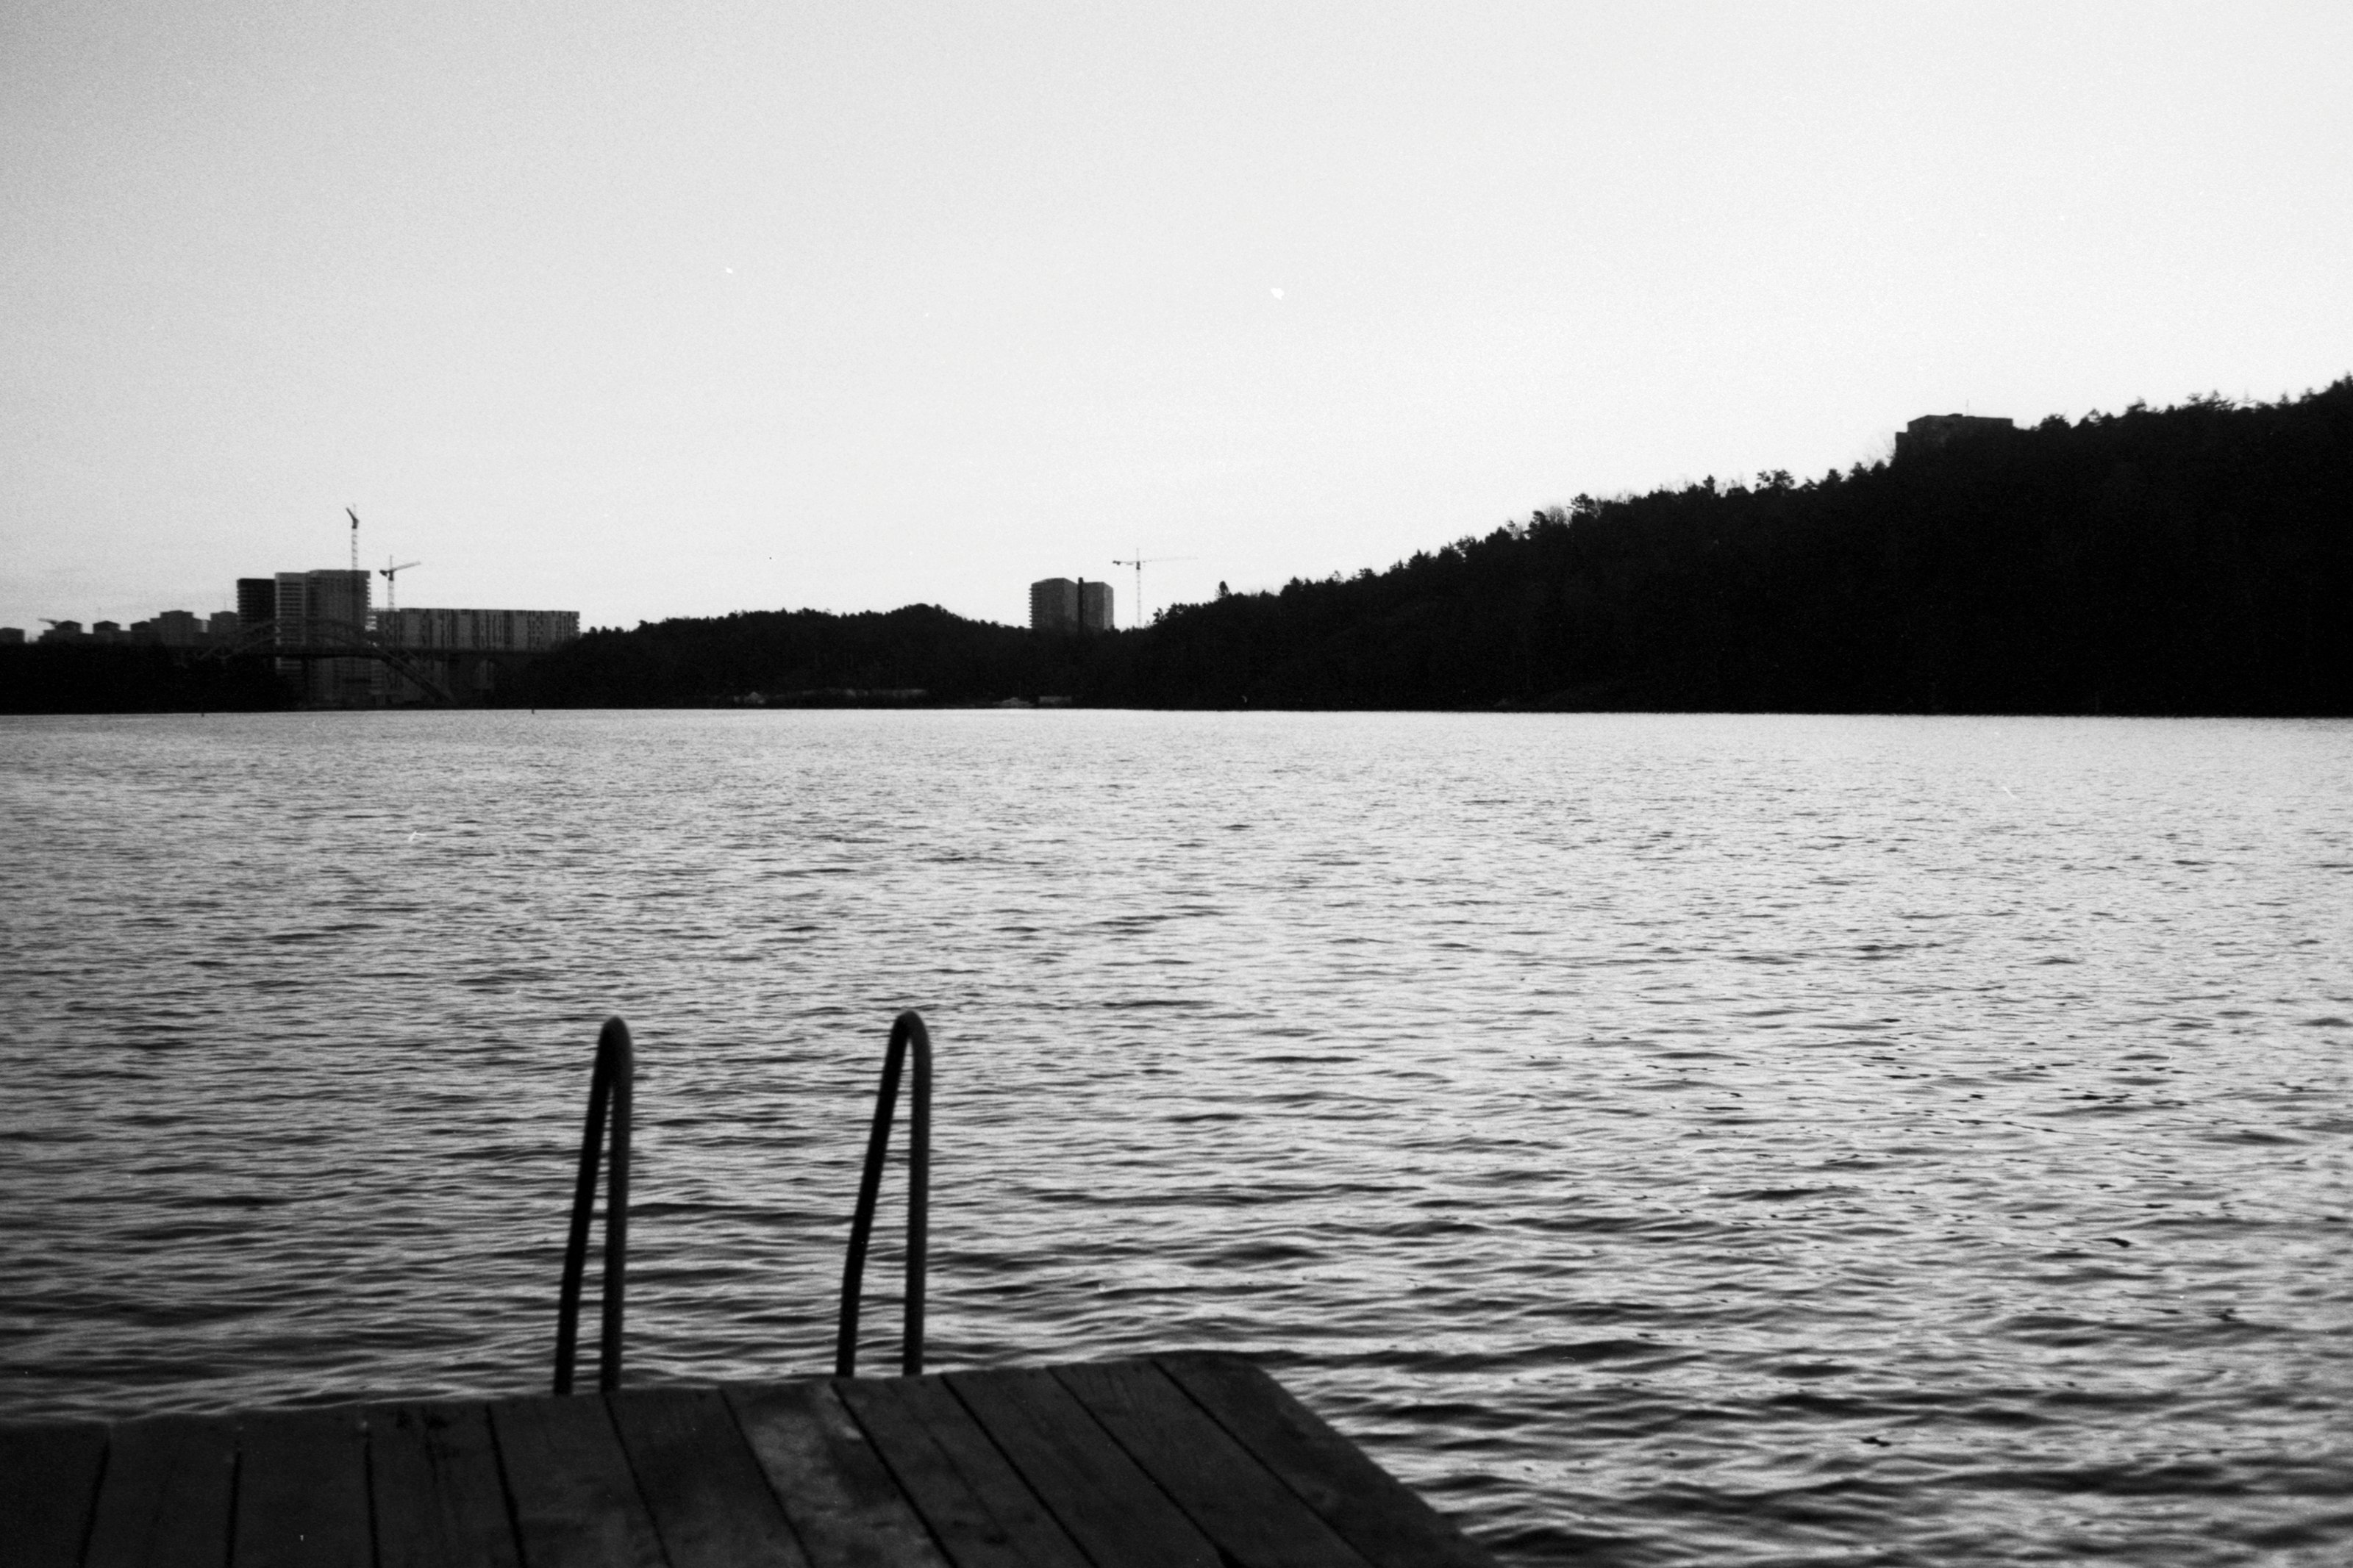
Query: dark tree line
point(80, 678)
point(807, 656)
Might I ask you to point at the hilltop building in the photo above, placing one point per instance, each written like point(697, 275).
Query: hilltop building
point(1060, 604)
point(1932, 431)
point(1053, 604)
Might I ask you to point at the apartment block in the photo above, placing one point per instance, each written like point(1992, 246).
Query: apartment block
point(1061, 605)
point(477, 631)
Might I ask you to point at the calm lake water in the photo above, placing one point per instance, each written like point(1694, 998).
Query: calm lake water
point(1661, 1140)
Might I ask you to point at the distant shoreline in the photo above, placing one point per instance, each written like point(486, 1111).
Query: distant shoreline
point(2186, 562)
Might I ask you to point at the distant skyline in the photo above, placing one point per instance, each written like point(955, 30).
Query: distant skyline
point(681, 311)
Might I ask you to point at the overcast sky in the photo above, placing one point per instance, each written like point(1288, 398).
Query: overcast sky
point(647, 311)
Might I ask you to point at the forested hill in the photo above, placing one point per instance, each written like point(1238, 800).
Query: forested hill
point(2191, 560)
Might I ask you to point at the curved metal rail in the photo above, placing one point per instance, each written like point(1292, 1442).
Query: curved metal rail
point(907, 1029)
point(609, 1086)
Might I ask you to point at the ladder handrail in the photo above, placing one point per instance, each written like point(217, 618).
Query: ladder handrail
point(908, 1027)
point(607, 1085)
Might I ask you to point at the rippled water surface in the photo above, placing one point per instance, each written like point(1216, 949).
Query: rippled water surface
point(1661, 1140)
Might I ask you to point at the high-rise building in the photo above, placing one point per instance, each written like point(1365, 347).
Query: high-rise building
point(336, 604)
point(1053, 604)
point(1060, 604)
point(315, 608)
point(1094, 606)
point(286, 601)
point(224, 627)
point(324, 610)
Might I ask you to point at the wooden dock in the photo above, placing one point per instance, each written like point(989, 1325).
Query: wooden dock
point(1199, 1460)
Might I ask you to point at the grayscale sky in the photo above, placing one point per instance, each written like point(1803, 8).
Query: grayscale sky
point(655, 310)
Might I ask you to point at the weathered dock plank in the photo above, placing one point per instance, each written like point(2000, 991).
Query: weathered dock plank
point(1252, 1517)
point(165, 1500)
point(711, 1505)
point(433, 1470)
point(834, 1488)
point(1110, 1507)
point(576, 1503)
point(975, 1502)
point(1180, 1461)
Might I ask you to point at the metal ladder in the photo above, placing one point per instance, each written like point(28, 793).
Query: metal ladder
point(608, 1109)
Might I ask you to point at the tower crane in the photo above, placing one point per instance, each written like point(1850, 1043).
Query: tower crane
point(1139, 563)
point(391, 574)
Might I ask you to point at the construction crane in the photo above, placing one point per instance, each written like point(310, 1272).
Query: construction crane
point(1139, 563)
point(391, 585)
